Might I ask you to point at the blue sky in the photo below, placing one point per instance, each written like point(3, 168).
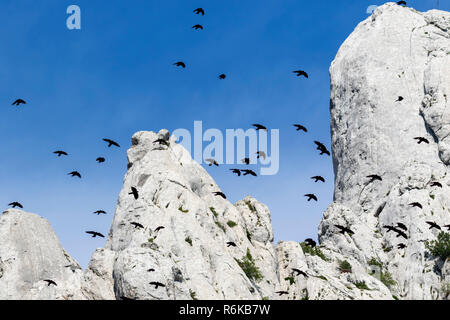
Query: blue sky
point(115, 77)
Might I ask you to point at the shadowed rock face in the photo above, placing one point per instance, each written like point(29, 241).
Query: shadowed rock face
point(395, 52)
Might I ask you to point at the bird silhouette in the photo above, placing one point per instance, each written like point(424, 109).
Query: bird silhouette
point(137, 225)
point(212, 162)
point(390, 228)
point(401, 246)
point(401, 3)
point(400, 234)
point(134, 192)
point(16, 204)
point(301, 73)
point(95, 234)
point(280, 293)
point(433, 225)
point(223, 76)
point(400, 98)
point(221, 194)
point(318, 178)
point(100, 159)
point(344, 230)
point(74, 174)
point(416, 205)
point(311, 197)
point(180, 64)
point(436, 184)
point(402, 226)
point(249, 172)
point(321, 147)
point(61, 153)
point(111, 143)
point(199, 11)
point(421, 139)
point(50, 282)
point(18, 102)
point(231, 244)
point(162, 141)
point(197, 27)
point(99, 212)
point(374, 178)
point(159, 228)
point(151, 270)
point(300, 127)
point(261, 154)
point(260, 127)
point(237, 171)
point(299, 272)
point(246, 161)
point(448, 227)
point(157, 284)
point(310, 242)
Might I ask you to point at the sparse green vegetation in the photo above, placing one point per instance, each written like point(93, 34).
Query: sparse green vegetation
point(231, 224)
point(290, 279)
point(151, 240)
point(188, 240)
point(361, 285)
point(323, 278)
point(249, 235)
point(432, 196)
point(213, 212)
point(250, 206)
point(387, 280)
point(345, 266)
point(220, 226)
point(395, 297)
point(249, 267)
point(446, 290)
point(265, 298)
point(313, 251)
point(182, 210)
point(440, 247)
point(193, 294)
point(375, 262)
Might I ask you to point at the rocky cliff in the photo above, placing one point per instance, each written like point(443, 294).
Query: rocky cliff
point(390, 84)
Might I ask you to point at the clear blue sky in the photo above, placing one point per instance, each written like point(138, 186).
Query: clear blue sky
point(115, 77)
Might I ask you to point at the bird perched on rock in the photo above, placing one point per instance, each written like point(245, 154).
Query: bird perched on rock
point(99, 212)
point(100, 159)
point(231, 244)
point(50, 282)
point(137, 225)
point(15, 204)
point(111, 143)
point(249, 172)
point(162, 141)
point(60, 153)
point(134, 192)
point(157, 284)
point(318, 178)
point(212, 162)
point(223, 76)
point(311, 196)
point(300, 127)
point(74, 174)
point(433, 225)
point(422, 139)
point(374, 178)
point(18, 102)
point(344, 230)
point(221, 194)
point(401, 3)
point(180, 64)
point(198, 27)
point(301, 73)
point(299, 272)
point(95, 234)
point(236, 171)
point(310, 242)
point(436, 184)
point(199, 11)
point(260, 127)
point(416, 205)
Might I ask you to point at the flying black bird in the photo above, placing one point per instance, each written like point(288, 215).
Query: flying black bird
point(401, 246)
point(249, 172)
point(134, 192)
point(223, 76)
point(300, 272)
point(137, 225)
point(400, 98)
point(260, 127)
point(159, 228)
point(343, 230)
point(301, 73)
point(280, 293)
point(261, 154)
point(246, 161)
point(212, 162)
point(237, 171)
point(18, 102)
point(100, 159)
point(151, 270)
point(231, 244)
point(311, 197)
point(401, 234)
point(198, 26)
point(15, 205)
point(61, 153)
point(318, 178)
point(161, 141)
point(416, 205)
point(401, 3)
point(180, 64)
point(111, 143)
point(199, 11)
point(75, 174)
point(310, 242)
point(374, 177)
point(321, 147)
point(448, 227)
point(402, 226)
point(157, 284)
point(50, 282)
point(95, 234)
point(421, 139)
point(433, 225)
point(218, 193)
point(300, 127)
point(99, 212)
point(436, 184)
point(390, 228)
